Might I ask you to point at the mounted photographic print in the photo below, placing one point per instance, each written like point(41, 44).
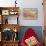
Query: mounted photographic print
point(30, 13)
point(5, 12)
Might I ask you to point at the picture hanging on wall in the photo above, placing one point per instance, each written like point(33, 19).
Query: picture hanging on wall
point(5, 12)
point(30, 13)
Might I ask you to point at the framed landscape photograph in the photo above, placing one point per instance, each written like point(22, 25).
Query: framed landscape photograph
point(30, 13)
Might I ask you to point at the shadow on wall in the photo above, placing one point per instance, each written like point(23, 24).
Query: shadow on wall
point(37, 29)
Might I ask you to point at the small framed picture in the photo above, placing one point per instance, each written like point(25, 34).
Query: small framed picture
point(5, 12)
point(13, 12)
point(30, 13)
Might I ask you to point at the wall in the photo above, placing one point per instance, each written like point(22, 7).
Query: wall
point(26, 4)
point(33, 4)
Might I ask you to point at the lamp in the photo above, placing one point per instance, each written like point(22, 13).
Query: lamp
point(15, 3)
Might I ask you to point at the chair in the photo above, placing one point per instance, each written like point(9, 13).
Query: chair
point(29, 33)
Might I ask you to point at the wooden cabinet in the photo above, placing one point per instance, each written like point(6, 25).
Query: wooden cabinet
point(9, 23)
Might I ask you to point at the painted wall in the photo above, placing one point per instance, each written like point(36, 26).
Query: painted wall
point(33, 4)
point(26, 4)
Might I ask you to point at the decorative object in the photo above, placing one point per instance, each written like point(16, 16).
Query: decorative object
point(30, 13)
point(5, 12)
point(13, 12)
point(15, 3)
point(15, 30)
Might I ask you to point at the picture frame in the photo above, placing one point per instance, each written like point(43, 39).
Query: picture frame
point(30, 13)
point(13, 12)
point(5, 12)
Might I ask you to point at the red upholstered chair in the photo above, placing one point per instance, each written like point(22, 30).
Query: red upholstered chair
point(29, 33)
